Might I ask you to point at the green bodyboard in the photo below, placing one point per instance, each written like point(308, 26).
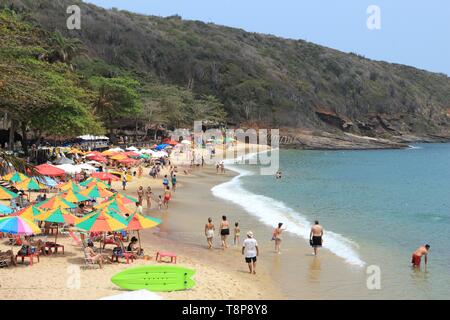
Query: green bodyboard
point(155, 278)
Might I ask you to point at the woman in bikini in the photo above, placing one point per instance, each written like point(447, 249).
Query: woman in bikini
point(237, 233)
point(224, 231)
point(167, 197)
point(209, 232)
point(276, 236)
point(140, 193)
point(148, 196)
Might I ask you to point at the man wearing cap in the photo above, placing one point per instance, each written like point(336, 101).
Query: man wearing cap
point(250, 251)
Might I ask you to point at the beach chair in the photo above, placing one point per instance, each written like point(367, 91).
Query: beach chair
point(124, 254)
point(30, 256)
point(162, 254)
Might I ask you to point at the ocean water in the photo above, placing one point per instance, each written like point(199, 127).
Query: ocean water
point(376, 207)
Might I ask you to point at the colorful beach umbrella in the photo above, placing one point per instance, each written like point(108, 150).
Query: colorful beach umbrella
point(88, 181)
point(138, 222)
point(105, 176)
point(100, 221)
point(49, 170)
point(127, 161)
point(28, 212)
point(94, 192)
point(116, 205)
point(125, 199)
point(74, 197)
point(7, 194)
point(57, 216)
point(56, 202)
point(15, 177)
point(119, 156)
point(70, 185)
point(18, 225)
point(5, 209)
point(30, 184)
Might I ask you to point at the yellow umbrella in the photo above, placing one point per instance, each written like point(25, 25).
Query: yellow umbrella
point(119, 157)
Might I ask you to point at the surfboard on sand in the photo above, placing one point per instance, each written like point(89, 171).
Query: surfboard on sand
point(155, 278)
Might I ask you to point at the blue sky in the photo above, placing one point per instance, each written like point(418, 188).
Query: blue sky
point(413, 32)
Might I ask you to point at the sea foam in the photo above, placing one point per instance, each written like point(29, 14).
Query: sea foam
point(270, 211)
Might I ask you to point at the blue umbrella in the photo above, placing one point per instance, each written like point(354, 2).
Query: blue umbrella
point(47, 181)
point(5, 210)
point(162, 146)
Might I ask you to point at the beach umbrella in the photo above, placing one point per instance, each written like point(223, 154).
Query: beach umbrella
point(15, 177)
point(162, 146)
point(74, 196)
point(116, 205)
point(28, 212)
point(88, 181)
point(87, 167)
point(76, 151)
point(49, 170)
point(47, 181)
point(57, 216)
point(70, 185)
point(30, 184)
point(117, 149)
point(132, 149)
point(125, 199)
point(64, 160)
point(98, 158)
point(96, 192)
point(18, 225)
point(101, 221)
point(119, 156)
point(144, 156)
point(138, 222)
point(69, 168)
point(56, 202)
point(5, 209)
point(127, 161)
point(105, 176)
point(7, 194)
point(171, 142)
point(99, 184)
point(132, 154)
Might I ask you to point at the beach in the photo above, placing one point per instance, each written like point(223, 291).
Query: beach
point(219, 275)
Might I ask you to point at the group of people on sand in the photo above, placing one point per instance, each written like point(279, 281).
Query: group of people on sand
point(250, 248)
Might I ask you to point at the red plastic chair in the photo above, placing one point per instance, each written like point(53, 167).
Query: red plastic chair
point(29, 256)
point(162, 254)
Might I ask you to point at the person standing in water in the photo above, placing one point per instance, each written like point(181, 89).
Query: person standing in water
point(315, 236)
point(224, 231)
point(250, 251)
point(276, 236)
point(417, 255)
point(237, 233)
point(209, 233)
point(278, 175)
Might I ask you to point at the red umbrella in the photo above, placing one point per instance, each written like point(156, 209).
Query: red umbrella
point(97, 158)
point(49, 170)
point(105, 176)
point(127, 161)
point(131, 154)
point(171, 142)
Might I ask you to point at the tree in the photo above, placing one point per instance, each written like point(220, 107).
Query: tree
point(65, 49)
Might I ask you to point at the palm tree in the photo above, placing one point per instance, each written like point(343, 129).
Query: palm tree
point(65, 49)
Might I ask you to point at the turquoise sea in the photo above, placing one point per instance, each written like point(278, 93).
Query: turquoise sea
point(376, 207)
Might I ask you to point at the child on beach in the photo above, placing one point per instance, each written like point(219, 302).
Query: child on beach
point(237, 233)
point(167, 197)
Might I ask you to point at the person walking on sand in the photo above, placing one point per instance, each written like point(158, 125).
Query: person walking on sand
point(148, 196)
point(140, 170)
point(417, 255)
point(209, 233)
point(250, 251)
point(315, 237)
point(174, 182)
point(124, 181)
point(276, 236)
point(140, 193)
point(139, 208)
point(237, 233)
point(224, 231)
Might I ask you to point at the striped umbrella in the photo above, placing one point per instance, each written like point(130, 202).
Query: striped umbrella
point(88, 181)
point(125, 199)
point(7, 194)
point(114, 205)
point(69, 186)
point(96, 192)
point(99, 184)
point(18, 225)
point(56, 202)
point(15, 177)
point(119, 157)
point(138, 222)
point(57, 216)
point(100, 221)
point(30, 184)
point(74, 197)
point(5, 209)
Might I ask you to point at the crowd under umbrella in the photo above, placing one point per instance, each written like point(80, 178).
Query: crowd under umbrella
point(101, 221)
point(70, 185)
point(15, 177)
point(6, 194)
point(138, 222)
point(57, 216)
